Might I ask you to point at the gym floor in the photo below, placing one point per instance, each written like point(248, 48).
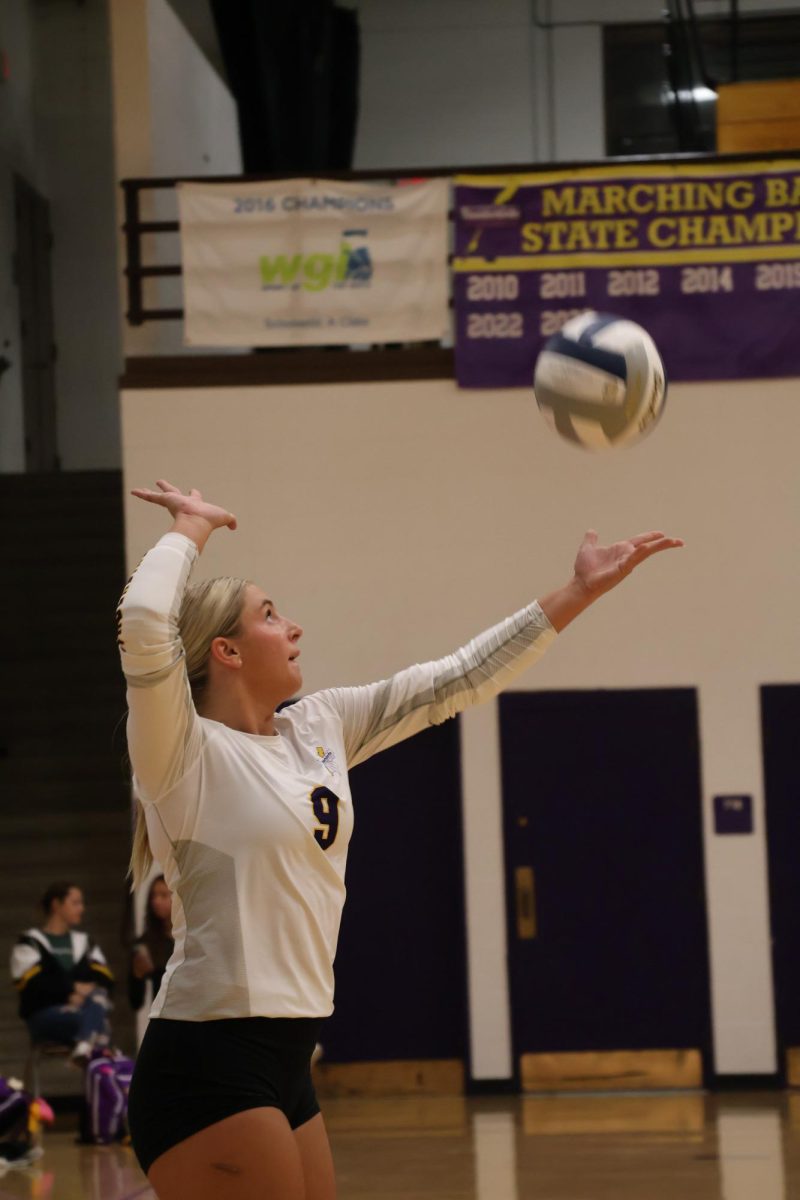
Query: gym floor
point(667, 1146)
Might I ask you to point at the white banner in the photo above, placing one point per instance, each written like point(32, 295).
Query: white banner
point(314, 262)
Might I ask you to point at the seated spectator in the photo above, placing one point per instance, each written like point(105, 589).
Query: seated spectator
point(151, 952)
point(62, 977)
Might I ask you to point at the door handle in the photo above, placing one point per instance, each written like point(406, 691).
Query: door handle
point(525, 890)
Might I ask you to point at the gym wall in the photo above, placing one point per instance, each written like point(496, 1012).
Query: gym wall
point(395, 520)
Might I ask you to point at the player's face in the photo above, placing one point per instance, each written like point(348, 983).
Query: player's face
point(268, 646)
point(161, 901)
point(71, 907)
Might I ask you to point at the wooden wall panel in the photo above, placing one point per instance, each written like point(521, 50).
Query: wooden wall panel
point(425, 1077)
point(619, 1070)
point(758, 116)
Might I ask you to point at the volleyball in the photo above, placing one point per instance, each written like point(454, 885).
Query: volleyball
point(600, 382)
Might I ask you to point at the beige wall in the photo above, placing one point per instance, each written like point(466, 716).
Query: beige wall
point(395, 520)
point(495, 81)
point(173, 116)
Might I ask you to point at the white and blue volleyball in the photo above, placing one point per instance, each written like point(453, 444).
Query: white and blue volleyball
point(600, 382)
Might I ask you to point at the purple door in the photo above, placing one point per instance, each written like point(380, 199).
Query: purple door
point(606, 898)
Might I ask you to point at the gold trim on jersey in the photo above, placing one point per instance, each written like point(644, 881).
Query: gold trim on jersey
point(25, 979)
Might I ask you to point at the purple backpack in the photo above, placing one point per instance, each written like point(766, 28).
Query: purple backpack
point(108, 1079)
point(14, 1106)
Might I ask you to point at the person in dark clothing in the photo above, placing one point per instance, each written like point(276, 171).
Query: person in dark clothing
point(151, 952)
point(62, 977)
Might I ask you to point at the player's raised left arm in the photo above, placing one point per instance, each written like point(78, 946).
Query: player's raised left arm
point(597, 570)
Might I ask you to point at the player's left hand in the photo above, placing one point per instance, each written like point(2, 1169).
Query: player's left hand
point(600, 568)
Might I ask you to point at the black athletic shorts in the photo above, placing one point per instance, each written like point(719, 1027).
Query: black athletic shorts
point(190, 1074)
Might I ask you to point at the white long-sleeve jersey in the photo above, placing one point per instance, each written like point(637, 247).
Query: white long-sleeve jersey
point(252, 831)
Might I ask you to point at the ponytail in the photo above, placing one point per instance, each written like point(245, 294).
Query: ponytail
point(141, 854)
point(209, 610)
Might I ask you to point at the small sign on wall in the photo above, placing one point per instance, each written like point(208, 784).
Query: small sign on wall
point(733, 814)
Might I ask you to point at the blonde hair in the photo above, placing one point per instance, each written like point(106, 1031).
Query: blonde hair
point(210, 609)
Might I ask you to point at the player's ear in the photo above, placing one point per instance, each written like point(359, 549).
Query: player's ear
point(226, 653)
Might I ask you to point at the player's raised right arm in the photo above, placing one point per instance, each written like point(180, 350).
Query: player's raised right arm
point(164, 735)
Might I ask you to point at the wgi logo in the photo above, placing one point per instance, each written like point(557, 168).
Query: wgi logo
point(351, 267)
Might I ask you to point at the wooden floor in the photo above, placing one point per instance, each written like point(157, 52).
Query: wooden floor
point(644, 1147)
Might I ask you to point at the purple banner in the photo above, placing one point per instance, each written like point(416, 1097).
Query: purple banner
point(705, 257)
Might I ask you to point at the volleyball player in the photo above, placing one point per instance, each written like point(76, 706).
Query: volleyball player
point(249, 813)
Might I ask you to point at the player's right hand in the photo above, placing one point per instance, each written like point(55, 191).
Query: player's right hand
point(186, 504)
